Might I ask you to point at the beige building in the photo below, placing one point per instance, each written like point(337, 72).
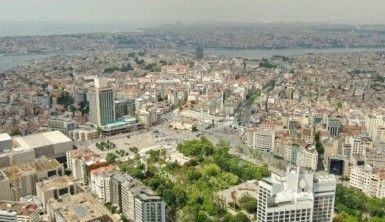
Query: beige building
point(369, 181)
point(54, 188)
point(80, 207)
point(27, 175)
point(82, 161)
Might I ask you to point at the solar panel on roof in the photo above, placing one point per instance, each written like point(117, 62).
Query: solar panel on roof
point(81, 211)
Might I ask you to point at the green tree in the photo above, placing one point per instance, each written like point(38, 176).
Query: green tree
point(248, 203)
point(111, 158)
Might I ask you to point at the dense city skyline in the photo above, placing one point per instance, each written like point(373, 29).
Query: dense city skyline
point(164, 11)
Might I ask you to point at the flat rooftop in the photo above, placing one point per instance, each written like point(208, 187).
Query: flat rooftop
point(32, 167)
point(5, 136)
point(18, 208)
point(80, 207)
point(55, 183)
point(40, 139)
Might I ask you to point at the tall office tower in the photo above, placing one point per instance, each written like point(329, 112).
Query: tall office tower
point(324, 191)
point(299, 196)
point(199, 52)
point(334, 126)
point(102, 107)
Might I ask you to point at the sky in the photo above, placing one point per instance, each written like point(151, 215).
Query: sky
point(189, 11)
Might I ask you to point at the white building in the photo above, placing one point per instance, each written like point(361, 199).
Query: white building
point(369, 181)
point(306, 157)
point(18, 212)
point(372, 123)
point(360, 144)
point(261, 139)
point(52, 144)
point(5, 142)
point(100, 182)
point(299, 196)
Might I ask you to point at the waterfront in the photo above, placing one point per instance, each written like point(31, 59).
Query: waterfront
point(10, 61)
point(268, 53)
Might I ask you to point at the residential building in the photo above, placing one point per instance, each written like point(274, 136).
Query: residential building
point(19, 212)
point(373, 122)
point(262, 140)
point(101, 182)
point(135, 200)
point(368, 180)
point(306, 157)
point(360, 144)
point(82, 161)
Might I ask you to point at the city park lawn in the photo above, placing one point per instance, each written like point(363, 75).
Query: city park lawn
point(188, 190)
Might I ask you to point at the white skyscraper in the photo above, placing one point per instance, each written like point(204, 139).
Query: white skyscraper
point(102, 107)
point(299, 196)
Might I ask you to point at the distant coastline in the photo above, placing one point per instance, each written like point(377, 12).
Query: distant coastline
point(11, 61)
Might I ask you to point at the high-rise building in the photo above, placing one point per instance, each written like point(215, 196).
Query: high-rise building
point(102, 107)
point(135, 200)
point(149, 208)
point(298, 196)
point(116, 181)
point(199, 52)
point(324, 190)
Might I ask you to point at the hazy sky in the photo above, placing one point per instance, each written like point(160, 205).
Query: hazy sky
point(330, 11)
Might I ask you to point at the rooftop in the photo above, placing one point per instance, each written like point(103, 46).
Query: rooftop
point(80, 207)
point(55, 183)
point(19, 208)
point(5, 136)
point(32, 167)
